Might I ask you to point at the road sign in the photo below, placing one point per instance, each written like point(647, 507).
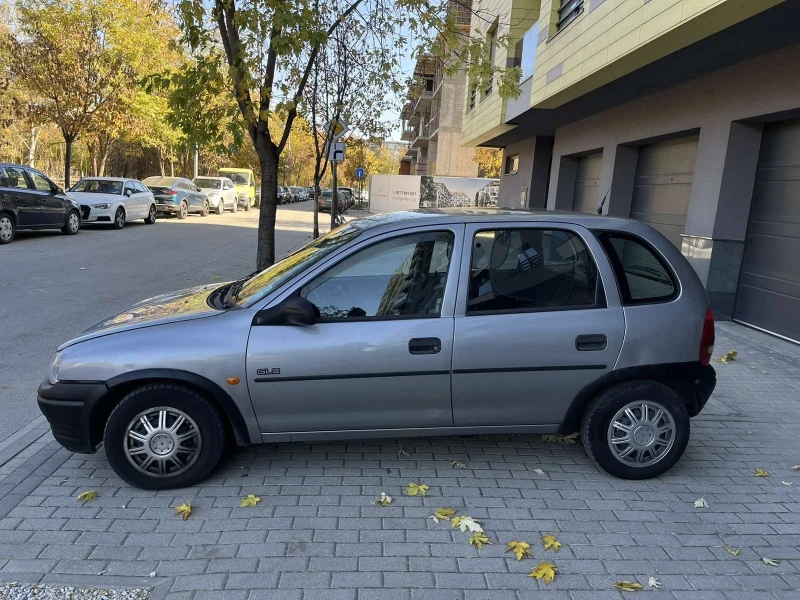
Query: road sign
point(360, 173)
point(336, 151)
point(336, 128)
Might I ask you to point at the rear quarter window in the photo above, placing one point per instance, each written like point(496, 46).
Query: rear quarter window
point(642, 274)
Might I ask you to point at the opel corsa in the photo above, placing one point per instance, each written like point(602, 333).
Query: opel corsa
point(429, 322)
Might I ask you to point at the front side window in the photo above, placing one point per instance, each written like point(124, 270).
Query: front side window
point(530, 269)
point(98, 186)
point(401, 277)
point(40, 182)
point(15, 178)
point(129, 188)
point(643, 277)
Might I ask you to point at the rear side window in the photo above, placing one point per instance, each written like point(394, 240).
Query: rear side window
point(14, 178)
point(530, 270)
point(643, 276)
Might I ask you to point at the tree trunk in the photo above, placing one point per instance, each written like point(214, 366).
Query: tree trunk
point(161, 160)
point(268, 160)
point(101, 169)
point(68, 139)
point(32, 146)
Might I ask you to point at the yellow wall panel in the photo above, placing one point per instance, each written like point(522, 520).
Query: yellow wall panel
point(661, 23)
point(655, 7)
point(694, 7)
point(623, 45)
point(594, 61)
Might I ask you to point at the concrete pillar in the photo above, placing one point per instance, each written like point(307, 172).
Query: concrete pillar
point(542, 157)
point(719, 207)
point(562, 183)
point(534, 167)
point(619, 186)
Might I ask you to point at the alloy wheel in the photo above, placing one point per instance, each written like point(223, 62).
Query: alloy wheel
point(641, 433)
point(162, 442)
point(120, 218)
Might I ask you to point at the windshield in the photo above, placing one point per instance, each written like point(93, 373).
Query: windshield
point(237, 178)
point(98, 186)
point(261, 284)
point(212, 184)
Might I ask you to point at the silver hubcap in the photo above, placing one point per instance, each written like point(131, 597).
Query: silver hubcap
point(74, 223)
point(641, 433)
point(6, 228)
point(162, 442)
point(152, 213)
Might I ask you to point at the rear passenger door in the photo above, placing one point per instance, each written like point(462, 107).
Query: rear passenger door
point(538, 318)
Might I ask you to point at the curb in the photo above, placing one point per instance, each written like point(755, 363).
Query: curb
point(18, 441)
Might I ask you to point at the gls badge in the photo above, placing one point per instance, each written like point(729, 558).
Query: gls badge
point(268, 371)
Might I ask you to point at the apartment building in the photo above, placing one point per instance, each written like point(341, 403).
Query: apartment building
point(684, 114)
point(432, 116)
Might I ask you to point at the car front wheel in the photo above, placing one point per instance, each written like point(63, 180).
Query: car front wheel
point(73, 223)
point(205, 210)
point(119, 218)
point(636, 429)
point(163, 436)
point(151, 215)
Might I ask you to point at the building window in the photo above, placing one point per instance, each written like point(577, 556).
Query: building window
point(525, 52)
point(429, 84)
point(473, 97)
point(489, 86)
point(512, 164)
point(569, 11)
point(492, 43)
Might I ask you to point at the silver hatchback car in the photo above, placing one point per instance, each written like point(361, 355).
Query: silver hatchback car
point(430, 322)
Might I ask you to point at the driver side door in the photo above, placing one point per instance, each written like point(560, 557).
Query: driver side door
point(379, 354)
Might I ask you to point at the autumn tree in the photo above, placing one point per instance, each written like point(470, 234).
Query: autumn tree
point(490, 161)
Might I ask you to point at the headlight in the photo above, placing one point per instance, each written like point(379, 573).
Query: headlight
point(103, 206)
point(213, 195)
point(52, 377)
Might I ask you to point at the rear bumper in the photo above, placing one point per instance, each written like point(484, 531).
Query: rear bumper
point(68, 407)
point(166, 208)
point(702, 388)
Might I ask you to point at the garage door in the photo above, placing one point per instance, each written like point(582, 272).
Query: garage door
point(663, 185)
point(587, 183)
point(769, 285)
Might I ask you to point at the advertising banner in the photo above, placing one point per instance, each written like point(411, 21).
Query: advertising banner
point(390, 193)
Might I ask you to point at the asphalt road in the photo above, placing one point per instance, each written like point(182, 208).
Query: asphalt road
point(54, 286)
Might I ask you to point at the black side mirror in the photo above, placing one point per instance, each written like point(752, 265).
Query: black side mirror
point(58, 190)
point(292, 311)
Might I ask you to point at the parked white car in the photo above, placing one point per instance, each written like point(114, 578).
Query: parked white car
point(114, 200)
point(221, 193)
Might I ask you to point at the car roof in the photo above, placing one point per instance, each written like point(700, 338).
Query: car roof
point(108, 178)
point(432, 216)
point(234, 170)
point(210, 177)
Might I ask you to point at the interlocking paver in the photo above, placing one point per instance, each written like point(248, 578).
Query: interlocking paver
point(316, 534)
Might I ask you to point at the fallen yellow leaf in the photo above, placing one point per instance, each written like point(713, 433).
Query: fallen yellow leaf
point(249, 500)
point(86, 496)
point(563, 439)
point(443, 514)
point(520, 549)
point(729, 357)
point(734, 551)
point(628, 586)
point(413, 489)
point(384, 499)
point(550, 542)
point(762, 473)
point(770, 562)
point(465, 522)
point(544, 570)
point(479, 539)
point(184, 510)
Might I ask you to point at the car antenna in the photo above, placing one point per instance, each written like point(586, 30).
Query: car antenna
point(599, 210)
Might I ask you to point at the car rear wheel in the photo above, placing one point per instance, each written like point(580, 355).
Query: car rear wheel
point(183, 210)
point(72, 224)
point(151, 215)
point(119, 218)
point(163, 436)
point(247, 206)
point(7, 229)
point(636, 429)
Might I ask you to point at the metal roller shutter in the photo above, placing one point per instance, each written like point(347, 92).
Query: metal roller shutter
point(663, 184)
point(768, 296)
point(587, 183)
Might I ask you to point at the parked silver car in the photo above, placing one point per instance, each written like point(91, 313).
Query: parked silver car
point(430, 322)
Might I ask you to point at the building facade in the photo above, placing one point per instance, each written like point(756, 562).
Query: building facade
point(684, 114)
point(433, 114)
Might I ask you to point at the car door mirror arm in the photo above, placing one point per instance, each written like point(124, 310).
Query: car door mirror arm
point(292, 311)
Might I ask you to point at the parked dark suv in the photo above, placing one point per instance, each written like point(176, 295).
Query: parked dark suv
point(29, 200)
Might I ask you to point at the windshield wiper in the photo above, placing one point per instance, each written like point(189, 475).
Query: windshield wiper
point(233, 290)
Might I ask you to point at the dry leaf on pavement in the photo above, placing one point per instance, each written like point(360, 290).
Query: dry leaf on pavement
point(628, 586)
point(786, 483)
point(550, 542)
point(384, 499)
point(414, 489)
point(464, 523)
point(733, 551)
point(701, 503)
point(86, 496)
point(184, 510)
point(729, 357)
point(654, 583)
point(796, 468)
point(520, 549)
point(562, 439)
point(443, 514)
point(458, 465)
point(249, 501)
point(479, 539)
point(762, 473)
point(539, 471)
point(770, 562)
point(544, 570)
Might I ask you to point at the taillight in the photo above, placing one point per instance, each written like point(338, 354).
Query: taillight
point(707, 339)
point(171, 192)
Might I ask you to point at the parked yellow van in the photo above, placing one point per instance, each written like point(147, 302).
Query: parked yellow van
point(245, 182)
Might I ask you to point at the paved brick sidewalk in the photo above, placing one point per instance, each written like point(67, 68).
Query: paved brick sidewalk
point(317, 536)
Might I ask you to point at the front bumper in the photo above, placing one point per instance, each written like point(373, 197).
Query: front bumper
point(68, 407)
point(90, 214)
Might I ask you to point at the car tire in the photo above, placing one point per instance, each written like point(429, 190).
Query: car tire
point(73, 223)
point(658, 438)
point(119, 218)
point(183, 210)
point(151, 216)
point(220, 207)
point(235, 205)
point(247, 206)
point(167, 468)
point(7, 229)
point(204, 212)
